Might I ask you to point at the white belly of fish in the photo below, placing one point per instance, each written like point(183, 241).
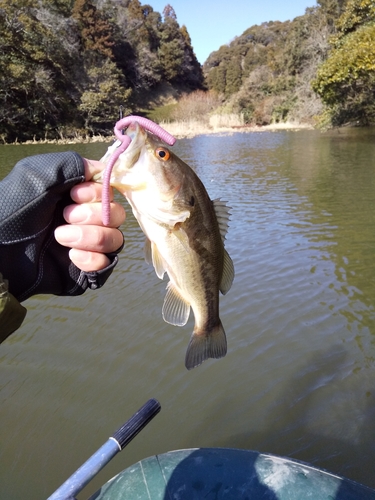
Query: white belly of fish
point(169, 251)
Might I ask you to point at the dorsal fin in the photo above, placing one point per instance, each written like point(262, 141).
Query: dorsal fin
point(222, 215)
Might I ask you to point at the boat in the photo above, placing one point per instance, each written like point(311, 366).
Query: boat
point(228, 474)
point(207, 473)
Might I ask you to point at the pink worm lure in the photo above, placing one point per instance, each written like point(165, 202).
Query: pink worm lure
point(125, 141)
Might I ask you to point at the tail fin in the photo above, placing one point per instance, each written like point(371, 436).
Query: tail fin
point(212, 344)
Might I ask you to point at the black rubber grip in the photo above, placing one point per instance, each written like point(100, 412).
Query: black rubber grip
point(137, 422)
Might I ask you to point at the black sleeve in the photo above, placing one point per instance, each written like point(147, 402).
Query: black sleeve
point(32, 199)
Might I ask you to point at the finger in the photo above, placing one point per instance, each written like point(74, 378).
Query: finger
point(88, 261)
point(89, 238)
point(88, 192)
point(91, 213)
point(92, 167)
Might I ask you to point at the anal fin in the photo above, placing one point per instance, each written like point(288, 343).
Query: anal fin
point(228, 274)
point(175, 309)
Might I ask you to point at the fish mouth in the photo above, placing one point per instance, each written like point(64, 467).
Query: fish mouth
point(138, 136)
point(133, 130)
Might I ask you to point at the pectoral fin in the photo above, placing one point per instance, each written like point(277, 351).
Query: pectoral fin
point(182, 237)
point(168, 217)
point(175, 309)
point(148, 251)
point(228, 274)
point(152, 255)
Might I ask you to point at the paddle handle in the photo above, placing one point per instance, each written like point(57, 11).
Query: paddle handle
point(82, 476)
point(136, 423)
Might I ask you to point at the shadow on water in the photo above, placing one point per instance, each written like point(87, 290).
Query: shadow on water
point(242, 474)
point(316, 419)
point(296, 428)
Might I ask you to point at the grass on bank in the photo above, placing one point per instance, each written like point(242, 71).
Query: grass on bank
point(197, 113)
point(217, 124)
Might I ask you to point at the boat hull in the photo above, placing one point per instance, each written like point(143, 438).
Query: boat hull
point(222, 473)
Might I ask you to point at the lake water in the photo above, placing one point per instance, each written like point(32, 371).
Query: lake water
point(299, 376)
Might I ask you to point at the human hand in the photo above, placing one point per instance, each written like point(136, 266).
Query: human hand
point(85, 234)
point(35, 196)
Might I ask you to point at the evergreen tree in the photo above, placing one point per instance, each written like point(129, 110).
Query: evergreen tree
point(177, 58)
point(96, 33)
point(171, 49)
point(192, 72)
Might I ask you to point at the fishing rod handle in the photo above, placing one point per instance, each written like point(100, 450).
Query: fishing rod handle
point(136, 423)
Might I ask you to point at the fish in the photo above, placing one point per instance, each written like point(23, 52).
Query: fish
point(185, 233)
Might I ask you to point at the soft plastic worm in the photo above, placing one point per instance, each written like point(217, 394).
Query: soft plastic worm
point(125, 141)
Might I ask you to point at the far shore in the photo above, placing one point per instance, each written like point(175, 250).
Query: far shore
point(182, 130)
point(191, 129)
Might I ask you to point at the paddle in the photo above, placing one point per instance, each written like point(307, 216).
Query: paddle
point(110, 448)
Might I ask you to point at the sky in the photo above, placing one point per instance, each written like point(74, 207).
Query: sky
point(213, 23)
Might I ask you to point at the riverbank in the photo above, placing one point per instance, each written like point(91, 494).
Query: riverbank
point(190, 129)
point(185, 129)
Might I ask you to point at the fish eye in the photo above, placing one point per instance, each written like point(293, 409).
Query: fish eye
point(162, 154)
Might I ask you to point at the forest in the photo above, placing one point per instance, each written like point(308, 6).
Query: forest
point(68, 66)
point(318, 68)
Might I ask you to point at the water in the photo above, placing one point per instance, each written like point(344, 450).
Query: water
point(298, 379)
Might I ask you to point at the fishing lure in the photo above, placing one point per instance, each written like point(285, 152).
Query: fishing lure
point(120, 146)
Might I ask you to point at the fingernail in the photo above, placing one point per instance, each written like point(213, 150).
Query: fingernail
point(68, 235)
point(87, 192)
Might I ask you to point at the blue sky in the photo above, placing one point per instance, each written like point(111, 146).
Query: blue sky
point(212, 23)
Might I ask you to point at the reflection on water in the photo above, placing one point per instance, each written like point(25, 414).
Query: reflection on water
point(298, 378)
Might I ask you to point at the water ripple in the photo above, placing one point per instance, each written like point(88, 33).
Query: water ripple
point(298, 376)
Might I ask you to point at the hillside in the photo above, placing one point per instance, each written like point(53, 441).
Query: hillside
point(67, 66)
point(318, 68)
point(265, 73)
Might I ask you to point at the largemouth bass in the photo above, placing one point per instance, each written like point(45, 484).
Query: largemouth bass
point(185, 234)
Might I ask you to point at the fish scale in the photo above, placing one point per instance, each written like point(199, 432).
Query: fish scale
point(185, 233)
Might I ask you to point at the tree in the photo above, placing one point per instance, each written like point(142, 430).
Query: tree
point(136, 37)
point(69, 63)
point(36, 88)
point(332, 9)
point(233, 76)
point(169, 12)
point(177, 58)
point(96, 32)
point(346, 80)
point(104, 94)
point(191, 71)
